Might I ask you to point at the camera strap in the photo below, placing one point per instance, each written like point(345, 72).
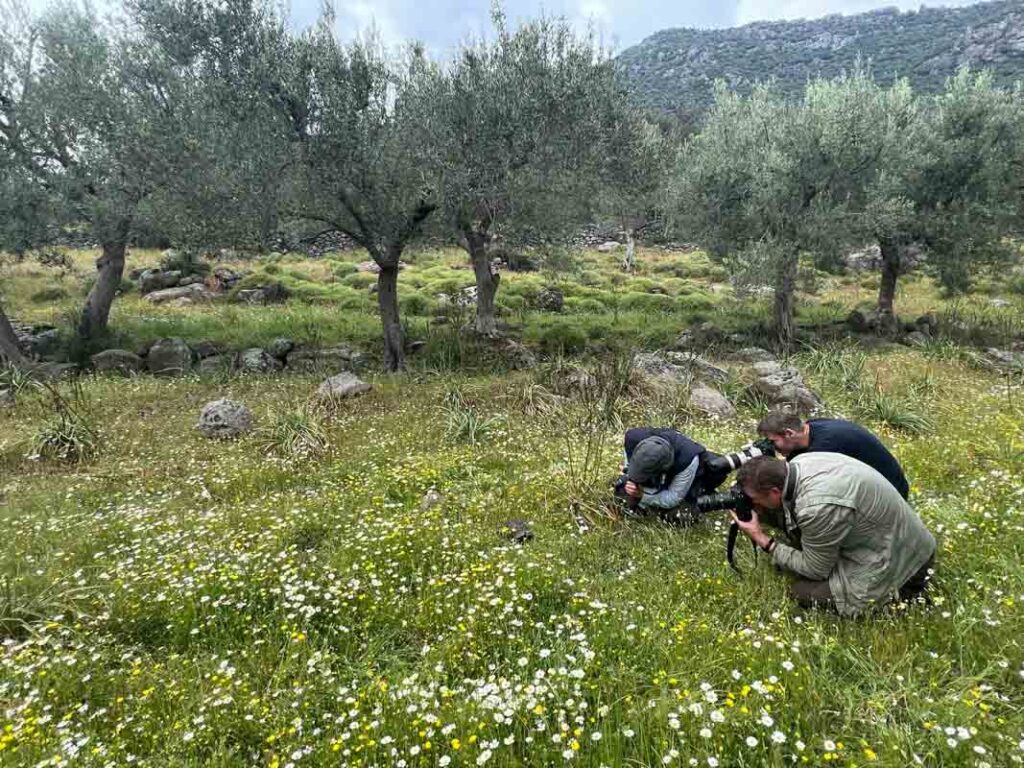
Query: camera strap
point(730, 546)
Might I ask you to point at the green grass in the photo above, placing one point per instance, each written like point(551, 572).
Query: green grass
point(172, 600)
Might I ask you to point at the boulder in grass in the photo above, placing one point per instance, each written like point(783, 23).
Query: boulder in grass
point(342, 385)
point(118, 361)
point(280, 348)
point(257, 360)
point(169, 357)
point(180, 294)
point(223, 419)
point(711, 402)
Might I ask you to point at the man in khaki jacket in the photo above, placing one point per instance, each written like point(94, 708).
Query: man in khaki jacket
point(861, 544)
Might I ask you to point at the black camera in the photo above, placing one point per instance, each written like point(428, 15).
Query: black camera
point(730, 462)
point(734, 499)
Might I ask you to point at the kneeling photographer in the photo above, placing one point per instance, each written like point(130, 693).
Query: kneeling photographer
point(861, 544)
point(664, 473)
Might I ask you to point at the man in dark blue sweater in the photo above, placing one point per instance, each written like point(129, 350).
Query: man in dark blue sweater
point(791, 437)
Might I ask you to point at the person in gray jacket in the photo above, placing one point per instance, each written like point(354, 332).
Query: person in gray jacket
point(861, 544)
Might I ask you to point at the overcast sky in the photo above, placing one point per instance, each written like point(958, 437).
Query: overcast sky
point(442, 24)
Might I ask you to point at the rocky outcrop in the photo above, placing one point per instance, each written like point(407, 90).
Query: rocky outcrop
point(118, 361)
point(342, 385)
point(222, 419)
point(169, 357)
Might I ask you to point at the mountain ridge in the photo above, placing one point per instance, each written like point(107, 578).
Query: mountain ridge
point(674, 70)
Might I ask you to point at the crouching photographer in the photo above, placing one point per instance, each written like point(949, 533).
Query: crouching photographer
point(664, 473)
point(861, 544)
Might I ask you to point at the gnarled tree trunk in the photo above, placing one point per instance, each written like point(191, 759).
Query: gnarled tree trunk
point(9, 350)
point(387, 300)
point(785, 296)
point(486, 282)
point(110, 270)
point(891, 264)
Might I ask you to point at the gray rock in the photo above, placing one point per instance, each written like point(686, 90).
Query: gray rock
point(216, 364)
point(700, 367)
point(274, 293)
point(191, 280)
point(430, 500)
point(344, 384)
point(193, 292)
point(7, 398)
point(280, 348)
point(311, 360)
point(257, 360)
point(550, 300)
point(169, 357)
point(518, 355)
point(752, 355)
point(767, 367)
point(226, 278)
point(223, 418)
point(785, 388)
point(1005, 358)
point(999, 303)
point(251, 296)
point(609, 246)
point(711, 402)
point(656, 366)
point(157, 279)
point(42, 342)
point(119, 361)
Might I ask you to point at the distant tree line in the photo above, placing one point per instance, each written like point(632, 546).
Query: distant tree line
point(214, 124)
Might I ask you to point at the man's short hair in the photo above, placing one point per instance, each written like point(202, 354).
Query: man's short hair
point(777, 422)
point(763, 473)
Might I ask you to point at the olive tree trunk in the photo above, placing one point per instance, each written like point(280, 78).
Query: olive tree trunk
point(785, 297)
point(9, 350)
point(486, 282)
point(387, 300)
point(891, 265)
point(110, 270)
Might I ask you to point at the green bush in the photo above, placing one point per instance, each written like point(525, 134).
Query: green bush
point(416, 303)
point(647, 302)
point(360, 280)
point(343, 269)
point(48, 295)
point(558, 337)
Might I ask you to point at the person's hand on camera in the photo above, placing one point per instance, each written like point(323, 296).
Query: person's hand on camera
point(633, 490)
point(752, 528)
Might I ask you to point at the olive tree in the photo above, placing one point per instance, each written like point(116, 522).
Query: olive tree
point(767, 180)
point(524, 128)
point(357, 170)
point(951, 184)
point(94, 115)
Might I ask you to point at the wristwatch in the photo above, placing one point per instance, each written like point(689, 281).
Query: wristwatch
point(769, 546)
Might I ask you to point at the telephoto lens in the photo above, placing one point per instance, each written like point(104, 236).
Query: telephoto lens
point(730, 462)
point(734, 499)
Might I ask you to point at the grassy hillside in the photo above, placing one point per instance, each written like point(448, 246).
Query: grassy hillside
point(173, 601)
point(675, 69)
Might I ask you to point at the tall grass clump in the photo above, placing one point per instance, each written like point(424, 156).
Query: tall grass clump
point(69, 436)
point(463, 424)
point(299, 432)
